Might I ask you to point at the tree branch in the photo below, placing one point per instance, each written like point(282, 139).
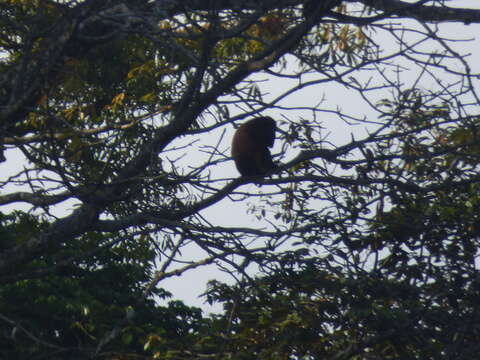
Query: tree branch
point(36, 199)
point(423, 12)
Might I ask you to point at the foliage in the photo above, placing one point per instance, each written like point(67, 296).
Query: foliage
point(82, 299)
point(364, 243)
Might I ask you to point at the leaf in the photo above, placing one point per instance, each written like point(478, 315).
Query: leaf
point(148, 98)
point(118, 99)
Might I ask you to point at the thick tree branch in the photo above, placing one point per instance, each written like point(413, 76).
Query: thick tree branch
point(36, 199)
point(419, 11)
point(79, 222)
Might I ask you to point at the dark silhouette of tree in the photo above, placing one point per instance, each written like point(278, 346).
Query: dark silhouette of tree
point(122, 112)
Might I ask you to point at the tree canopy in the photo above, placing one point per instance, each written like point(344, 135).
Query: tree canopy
point(115, 125)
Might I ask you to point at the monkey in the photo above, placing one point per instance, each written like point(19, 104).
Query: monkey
point(250, 146)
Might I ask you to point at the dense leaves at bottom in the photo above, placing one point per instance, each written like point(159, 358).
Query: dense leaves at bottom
point(66, 314)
